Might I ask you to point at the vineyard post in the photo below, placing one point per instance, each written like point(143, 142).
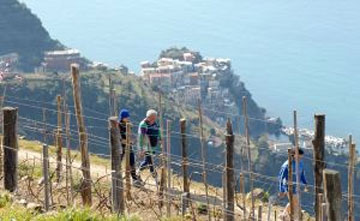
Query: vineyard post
point(168, 144)
point(186, 187)
point(247, 135)
point(290, 184)
point(59, 139)
point(319, 155)
point(229, 173)
point(333, 194)
point(351, 180)
point(117, 190)
point(45, 155)
point(10, 147)
point(204, 157)
point(83, 140)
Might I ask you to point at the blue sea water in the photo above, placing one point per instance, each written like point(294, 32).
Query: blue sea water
point(299, 54)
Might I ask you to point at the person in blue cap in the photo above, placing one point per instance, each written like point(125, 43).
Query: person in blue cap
point(124, 118)
point(283, 179)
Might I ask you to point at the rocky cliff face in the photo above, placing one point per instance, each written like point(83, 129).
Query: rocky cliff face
point(22, 33)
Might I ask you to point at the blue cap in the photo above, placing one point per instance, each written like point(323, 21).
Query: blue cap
point(124, 113)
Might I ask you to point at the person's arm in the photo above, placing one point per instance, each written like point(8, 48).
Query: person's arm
point(142, 136)
point(283, 180)
point(303, 178)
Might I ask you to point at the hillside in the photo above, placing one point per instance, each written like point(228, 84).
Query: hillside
point(23, 33)
point(27, 203)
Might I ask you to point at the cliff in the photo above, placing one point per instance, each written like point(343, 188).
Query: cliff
point(23, 33)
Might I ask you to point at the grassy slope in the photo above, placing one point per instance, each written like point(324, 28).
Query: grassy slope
point(9, 211)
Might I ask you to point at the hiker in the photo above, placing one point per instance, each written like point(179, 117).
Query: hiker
point(124, 118)
point(149, 141)
point(283, 183)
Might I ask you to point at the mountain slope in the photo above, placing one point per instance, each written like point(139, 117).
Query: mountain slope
point(23, 33)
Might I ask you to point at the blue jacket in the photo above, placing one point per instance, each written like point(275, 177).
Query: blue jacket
point(283, 176)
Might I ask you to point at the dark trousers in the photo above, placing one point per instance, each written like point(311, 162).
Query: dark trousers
point(148, 162)
point(132, 164)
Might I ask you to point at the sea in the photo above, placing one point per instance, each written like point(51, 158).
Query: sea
point(299, 55)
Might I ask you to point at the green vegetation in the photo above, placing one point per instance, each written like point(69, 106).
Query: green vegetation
point(23, 33)
point(12, 212)
point(177, 53)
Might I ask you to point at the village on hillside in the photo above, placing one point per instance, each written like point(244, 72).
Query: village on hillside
point(188, 80)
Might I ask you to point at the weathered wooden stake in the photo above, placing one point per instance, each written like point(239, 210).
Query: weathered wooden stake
point(45, 156)
point(275, 215)
point(186, 187)
point(224, 192)
point(320, 200)
point(333, 195)
point(324, 212)
point(59, 139)
point(69, 179)
point(168, 144)
point(127, 161)
point(269, 210)
point(229, 168)
point(243, 195)
point(85, 162)
point(319, 155)
point(297, 166)
point(204, 157)
point(352, 153)
point(10, 147)
point(2, 131)
point(247, 135)
point(260, 213)
point(117, 191)
point(290, 184)
point(163, 159)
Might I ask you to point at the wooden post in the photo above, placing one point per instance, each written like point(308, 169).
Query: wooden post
point(297, 167)
point(290, 184)
point(127, 161)
point(320, 200)
point(69, 180)
point(117, 191)
point(59, 139)
point(2, 131)
point(46, 177)
point(243, 195)
point(184, 155)
point(247, 135)
point(229, 168)
point(324, 212)
point(269, 210)
point(275, 215)
point(319, 155)
point(260, 213)
point(85, 162)
point(186, 188)
point(10, 148)
point(163, 151)
point(168, 144)
point(184, 202)
point(204, 157)
point(333, 195)
point(224, 192)
point(351, 180)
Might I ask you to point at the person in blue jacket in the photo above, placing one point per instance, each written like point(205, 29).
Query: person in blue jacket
point(283, 179)
point(124, 118)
